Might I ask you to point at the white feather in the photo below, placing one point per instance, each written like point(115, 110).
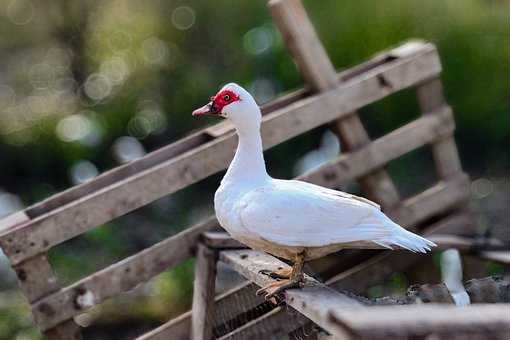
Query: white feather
point(282, 216)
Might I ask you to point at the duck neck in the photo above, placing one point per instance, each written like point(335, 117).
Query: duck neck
point(248, 165)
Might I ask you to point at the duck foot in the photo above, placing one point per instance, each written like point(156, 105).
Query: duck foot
point(281, 273)
point(272, 290)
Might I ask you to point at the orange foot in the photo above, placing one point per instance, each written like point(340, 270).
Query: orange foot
point(273, 289)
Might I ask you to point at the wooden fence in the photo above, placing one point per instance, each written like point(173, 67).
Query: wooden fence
point(328, 97)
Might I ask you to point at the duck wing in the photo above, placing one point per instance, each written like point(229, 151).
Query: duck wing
point(296, 213)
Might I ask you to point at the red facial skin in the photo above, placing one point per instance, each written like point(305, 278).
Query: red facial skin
point(222, 99)
point(218, 102)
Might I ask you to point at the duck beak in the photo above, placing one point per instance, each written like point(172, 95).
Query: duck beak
point(207, 110)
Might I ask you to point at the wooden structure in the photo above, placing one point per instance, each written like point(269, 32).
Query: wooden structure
point(327, 98)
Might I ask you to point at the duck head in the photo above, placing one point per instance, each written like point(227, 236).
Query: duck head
point(235, 104)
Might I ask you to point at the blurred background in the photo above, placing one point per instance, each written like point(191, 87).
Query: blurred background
point(88, 85)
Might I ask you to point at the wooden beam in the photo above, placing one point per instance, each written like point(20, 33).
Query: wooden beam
point(377, 322)
point(446, 156)
point(121, 276)
point(221, 240)
point(37, 279)
point(362, 161)
point(313, 300)
point(315, 66)
point(202, 311)
point(101, 206)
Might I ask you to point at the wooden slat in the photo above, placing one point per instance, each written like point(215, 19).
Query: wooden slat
point(121, 276)
point(99, 207)
point(497, 256)
point(150, 262)
point(362, 161)
point(202, 311)
point(37, 279)
point(430, 97)
point(221, 240)
point(300, 38)
point(303, 43)
point(313, 300)
point(423, 319)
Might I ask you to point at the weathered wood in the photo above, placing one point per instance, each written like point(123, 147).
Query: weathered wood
point(202, 312)
point(351, 165)
point(423, 319)
point(121, 276)
point(221, 240)
point(430, 97)
point(305, 46)
point(466, 243)
point(301, 39)
point(12, 221)
point(313, 300)
point(37, 279)
point(497, 256)
point(142, 188)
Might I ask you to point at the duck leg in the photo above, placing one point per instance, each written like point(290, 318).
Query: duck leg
point(294, 281)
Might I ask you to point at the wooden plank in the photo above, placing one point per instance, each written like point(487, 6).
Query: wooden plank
point(423, 319)
point(37, 279)
point(446, 156)
point(497, 256)
point(117, 174)
point(13, 220)
point(202, 312)
point(41, 233)
point(351, 165)
point(313, 300)
point(304, 44)
point(121, 276)
point(221, 240)
point(301, 39)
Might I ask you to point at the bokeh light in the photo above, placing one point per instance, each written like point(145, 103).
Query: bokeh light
point(97, 87)
point(259, 39)
point(183, 17)
point(20, 12)
point(83, 171)
point(126, 149)
point(73, 128)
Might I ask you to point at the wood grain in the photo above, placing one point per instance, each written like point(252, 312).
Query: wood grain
point(202, 311)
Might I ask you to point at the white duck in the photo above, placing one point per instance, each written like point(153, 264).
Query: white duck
point(291, 219)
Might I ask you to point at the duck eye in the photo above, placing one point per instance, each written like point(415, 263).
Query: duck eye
point(226, 97)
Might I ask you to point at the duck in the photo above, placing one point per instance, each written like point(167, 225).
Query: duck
point(290, 219)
